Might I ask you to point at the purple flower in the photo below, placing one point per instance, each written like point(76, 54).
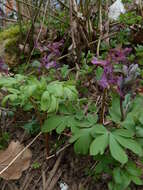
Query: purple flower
point(104, 81)
point(95, 61)
point(54, 47)
point(118, 55)
point(51, 65)
point(107, 78)
point(48, 63)
point(51, 53)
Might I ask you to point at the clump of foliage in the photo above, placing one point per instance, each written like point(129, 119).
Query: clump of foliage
point(63, 94)
point(60, 102)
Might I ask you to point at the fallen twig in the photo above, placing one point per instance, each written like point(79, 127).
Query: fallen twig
point(55, 180)
point(54, 170)
point(58, 152)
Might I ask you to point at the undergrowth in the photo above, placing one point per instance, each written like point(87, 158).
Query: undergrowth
point(84, 87)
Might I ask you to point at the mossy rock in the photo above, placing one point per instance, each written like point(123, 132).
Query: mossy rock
point(9, 41)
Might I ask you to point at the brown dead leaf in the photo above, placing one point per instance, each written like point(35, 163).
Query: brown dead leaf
point(22, 162)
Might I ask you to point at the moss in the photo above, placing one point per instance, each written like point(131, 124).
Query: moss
point(9, 40)
point(11, 32)
point(11, 45)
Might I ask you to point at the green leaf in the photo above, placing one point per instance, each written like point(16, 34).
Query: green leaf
point(116, 150)
point(111, 186)
point(7, 81)
point(30, 90)
point(56, 88)
point(125, 179)
point(131, 144)
point(123, 133)
point(53, 105)
point(13, 90)
point(98, 129)
point(136, 180)
point(11, 97)
point(129, 123)
point(92, 118)
point(114, 110)
point(141, 118)
point(99, 72)
point(117, 175)
point(52, 123)
point(45, 101)
point(99, 144)
point(68, 93)
point(133, 170)
point(61, 127)
point(82, 141)
point(139, 131)
point(82, 145)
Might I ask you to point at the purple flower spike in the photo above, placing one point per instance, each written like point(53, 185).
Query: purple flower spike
point(104, 82)
point(119, 55)
point(95, 61)
point(51, 65)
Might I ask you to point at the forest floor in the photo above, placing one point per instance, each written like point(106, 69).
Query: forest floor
point(47, 173)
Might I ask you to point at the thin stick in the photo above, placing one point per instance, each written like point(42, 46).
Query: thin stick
point(19, 154)
point(100, 28)
point(55, 179)
point(44, 180)
point(54, 170)
point(58, 152)
point(42, 24)
point(90, 43)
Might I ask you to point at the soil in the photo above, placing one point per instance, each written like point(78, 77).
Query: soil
point(71, 167)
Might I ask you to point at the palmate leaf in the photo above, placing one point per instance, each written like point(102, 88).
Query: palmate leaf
point(56, 88)
point(117, 175)
point(82, 145)
point(124, 133)
point(45, 101)
point(125, 180)
point(98, 129)
point(130, 144)
point(116, 150)
point(11, 97)
point(114, 110)
point(129, 123)
point(68, 121)
point(82, 140)
point(54, 104)
point(99, 144)
point(136, 180)
point(133, 170)
point(59, 123)
point(29, 90)
point(139, 131)
point(52, 123)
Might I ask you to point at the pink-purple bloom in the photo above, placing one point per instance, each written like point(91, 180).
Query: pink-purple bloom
point(109, 77)
point(118, 55)
point(98, 62)
point(51, 53)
